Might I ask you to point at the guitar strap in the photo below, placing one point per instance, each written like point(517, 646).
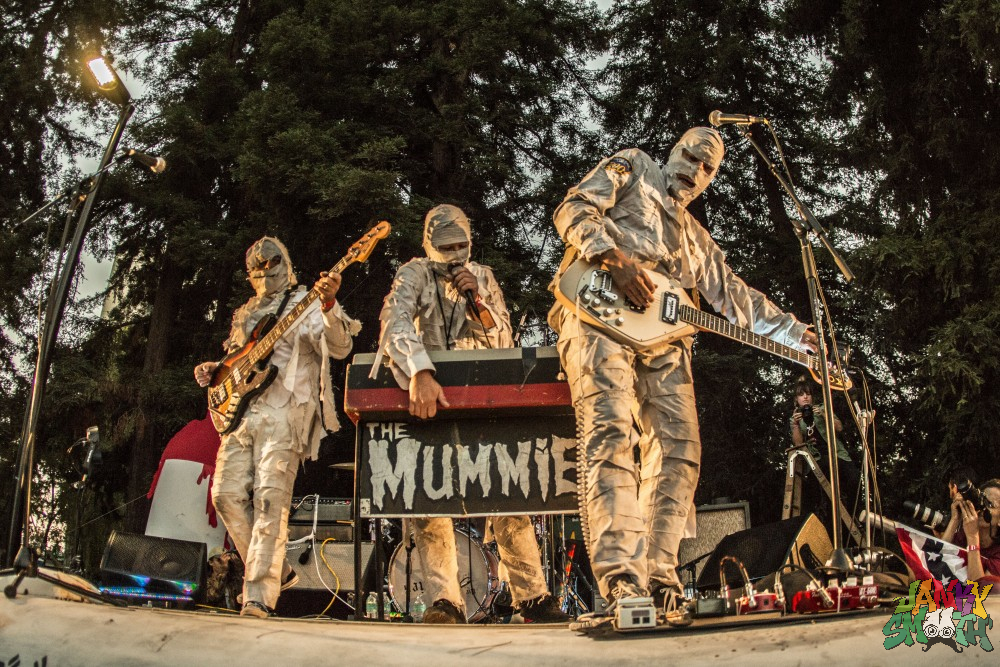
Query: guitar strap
point(284, 302)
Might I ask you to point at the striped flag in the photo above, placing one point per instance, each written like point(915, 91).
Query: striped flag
point(930, 557)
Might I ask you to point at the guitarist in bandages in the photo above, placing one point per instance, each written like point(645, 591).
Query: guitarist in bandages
point(629, 215)
point(257, 462)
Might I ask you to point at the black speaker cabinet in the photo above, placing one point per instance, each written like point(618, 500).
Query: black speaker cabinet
point(143, 567)
point(763, 550)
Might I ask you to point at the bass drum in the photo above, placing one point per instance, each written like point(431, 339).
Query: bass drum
point(477, 574)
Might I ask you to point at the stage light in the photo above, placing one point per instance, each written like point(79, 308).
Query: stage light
point(108, 81)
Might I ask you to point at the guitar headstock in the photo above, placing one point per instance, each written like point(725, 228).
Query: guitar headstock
point(838, 381)
point(361, 249)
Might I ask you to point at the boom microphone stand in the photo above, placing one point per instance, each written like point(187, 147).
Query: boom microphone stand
point(806, 224)
point(77, 221)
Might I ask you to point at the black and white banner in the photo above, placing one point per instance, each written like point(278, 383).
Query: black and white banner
point(468, 467)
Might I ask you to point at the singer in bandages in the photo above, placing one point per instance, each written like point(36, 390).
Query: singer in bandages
point(444, 301)
point(258, 461)
point(629, 215)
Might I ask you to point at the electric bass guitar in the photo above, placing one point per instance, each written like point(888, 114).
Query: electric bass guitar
point(247, 371)
point(588, 291)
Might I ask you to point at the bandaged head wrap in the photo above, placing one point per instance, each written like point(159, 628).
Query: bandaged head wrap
point(278, 278)
point(446, 225)
point(686, 179)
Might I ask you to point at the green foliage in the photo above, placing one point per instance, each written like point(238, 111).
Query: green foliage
point(312, 119)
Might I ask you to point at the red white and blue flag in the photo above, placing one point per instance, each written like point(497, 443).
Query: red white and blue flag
point(930, 557)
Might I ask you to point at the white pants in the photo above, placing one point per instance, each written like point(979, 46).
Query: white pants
point(634, 519)
point(515, 535)
point(258, 459)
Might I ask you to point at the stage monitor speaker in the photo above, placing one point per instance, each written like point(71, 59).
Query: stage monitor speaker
point(714, 523)
point(305, 558)
point(801, 540)
point(144, 567)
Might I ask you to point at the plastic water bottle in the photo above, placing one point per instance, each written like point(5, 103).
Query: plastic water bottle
point(419, 607)
point(386, 606)
point(371, 606)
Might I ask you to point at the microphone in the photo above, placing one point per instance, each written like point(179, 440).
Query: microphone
point(718, 118)
point(156, 164)
point(304, 556)
point(468, 294)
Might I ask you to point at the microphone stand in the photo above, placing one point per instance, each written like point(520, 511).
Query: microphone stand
point(25, 562)
point(808, 223)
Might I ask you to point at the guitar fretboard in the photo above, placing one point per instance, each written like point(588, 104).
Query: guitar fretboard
point(709, 322)
point(266, 344)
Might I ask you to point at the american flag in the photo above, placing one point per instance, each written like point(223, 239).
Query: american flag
point(930, 557)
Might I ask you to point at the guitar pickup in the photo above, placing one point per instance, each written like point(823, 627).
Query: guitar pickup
point(669, 307)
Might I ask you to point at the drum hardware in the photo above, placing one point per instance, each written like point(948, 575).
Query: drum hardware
point(480, 586)
point(407, 616)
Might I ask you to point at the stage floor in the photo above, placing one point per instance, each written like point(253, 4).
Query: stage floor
point(37, 628)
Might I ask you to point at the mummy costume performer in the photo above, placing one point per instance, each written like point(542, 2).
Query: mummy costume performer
point(426, 311)
point(629, 212)
point(258, 461)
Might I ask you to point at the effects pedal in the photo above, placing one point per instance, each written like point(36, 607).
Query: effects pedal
point(836, 598)
point(635, 614)
point(759, 603)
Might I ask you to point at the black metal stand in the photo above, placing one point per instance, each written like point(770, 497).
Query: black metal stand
point(410, 544)
point(25, 561)
point(839, 559)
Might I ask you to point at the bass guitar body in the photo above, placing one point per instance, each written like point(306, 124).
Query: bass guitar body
point(235, 384)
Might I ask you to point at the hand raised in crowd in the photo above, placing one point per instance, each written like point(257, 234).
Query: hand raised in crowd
point(465, 281)
point(629, 277)
point(203, 372)
point(425, 394)
point(327, 286)
point(970, 521)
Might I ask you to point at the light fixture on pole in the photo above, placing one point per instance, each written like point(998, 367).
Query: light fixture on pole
point(77, 219)
point(108, 81)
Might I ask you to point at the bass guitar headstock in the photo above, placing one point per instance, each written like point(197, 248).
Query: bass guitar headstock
point(361, 249)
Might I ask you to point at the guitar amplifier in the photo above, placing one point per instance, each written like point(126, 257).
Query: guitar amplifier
point(326, 510)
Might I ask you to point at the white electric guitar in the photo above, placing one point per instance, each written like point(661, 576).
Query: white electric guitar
point(588, 290)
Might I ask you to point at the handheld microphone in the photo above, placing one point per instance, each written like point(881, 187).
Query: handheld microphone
point(304, 556)
point(155, 163)
point(468, 294)
point(718, 118)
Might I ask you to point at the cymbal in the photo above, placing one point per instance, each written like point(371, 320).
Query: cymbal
point(343, 466)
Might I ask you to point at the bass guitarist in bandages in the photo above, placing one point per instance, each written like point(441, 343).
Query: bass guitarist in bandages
point(629, 215)
point(258, 461)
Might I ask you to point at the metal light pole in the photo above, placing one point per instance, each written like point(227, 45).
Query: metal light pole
point(77, 219)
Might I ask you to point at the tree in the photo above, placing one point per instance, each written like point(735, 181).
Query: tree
point(914, 97)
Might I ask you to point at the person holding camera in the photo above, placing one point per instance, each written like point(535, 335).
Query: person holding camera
point(808, 428)
point(977, 512)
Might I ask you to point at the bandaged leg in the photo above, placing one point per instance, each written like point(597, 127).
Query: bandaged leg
point(232, 485)
point(602, 384)
point(670, 453)
point(438, 559)
point(273, 461)
point(518, 548)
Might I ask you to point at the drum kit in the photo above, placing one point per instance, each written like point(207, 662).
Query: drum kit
point(483, 577)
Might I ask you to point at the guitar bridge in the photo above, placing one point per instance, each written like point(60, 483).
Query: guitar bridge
point(600, 284)
point(669, 307)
